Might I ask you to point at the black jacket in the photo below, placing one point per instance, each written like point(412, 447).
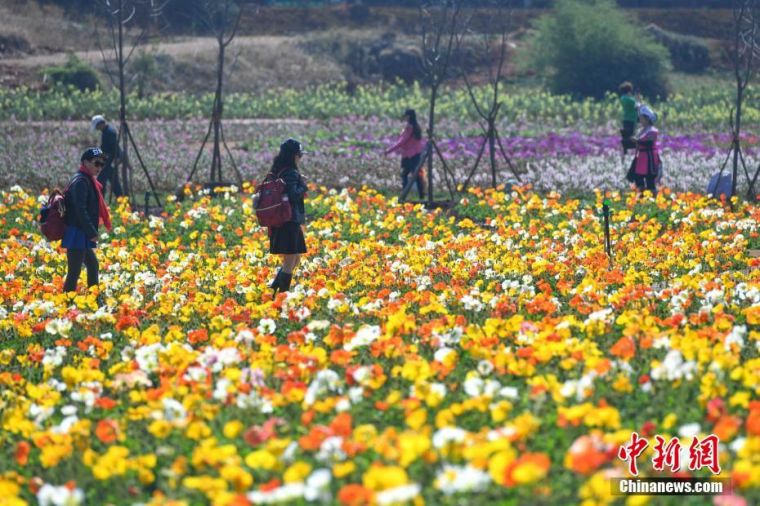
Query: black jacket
point(109, 143)
point(296, 188)
point(82, 206)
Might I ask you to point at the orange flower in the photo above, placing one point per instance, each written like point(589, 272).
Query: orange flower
point(22, 452)
point(107, 431)
point(753, 421)
point(341, 424)
point(528, 468)
point(587, 454)
point(625, 348)
point(105, 403)
point(313, 440)
point(727, 427)
point(354, 494)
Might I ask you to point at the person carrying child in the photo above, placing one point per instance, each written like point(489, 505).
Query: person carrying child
point(646, 167)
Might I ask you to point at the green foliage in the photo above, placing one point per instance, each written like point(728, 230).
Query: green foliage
point(687, 53)
point(591, 46)
point(700, 107)
point(75, 73)
point(145, 68)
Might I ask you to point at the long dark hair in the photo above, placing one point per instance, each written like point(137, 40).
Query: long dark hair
point(416, 130)
point(283, 162)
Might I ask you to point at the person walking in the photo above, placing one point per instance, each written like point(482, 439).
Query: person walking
point(288, 240)
point(630, 117)
point(85, 209)
point(646, 167)
point(410, 145)
point(109, 144)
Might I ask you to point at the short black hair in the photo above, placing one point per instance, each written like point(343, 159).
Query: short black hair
point(625, 87)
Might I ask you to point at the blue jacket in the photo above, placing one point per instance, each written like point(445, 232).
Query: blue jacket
point(296, 188)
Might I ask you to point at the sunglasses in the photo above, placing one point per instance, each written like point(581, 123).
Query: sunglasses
point(98, 163)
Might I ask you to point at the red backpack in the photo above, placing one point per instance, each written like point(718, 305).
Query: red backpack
point(271, 202)
point(52, 214)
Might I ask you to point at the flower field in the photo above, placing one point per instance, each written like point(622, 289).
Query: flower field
point(348, 151)
point(494, 357)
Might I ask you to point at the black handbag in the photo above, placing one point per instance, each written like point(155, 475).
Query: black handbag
point(631, 174)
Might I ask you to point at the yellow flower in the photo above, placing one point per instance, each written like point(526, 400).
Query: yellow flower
point(417, 418)
point(297, 472)
point(379, 477)
point(232, 429)
point(497, 465)
point(261, 459)
point(240, 479)
point(343, 469)
point(669, 421)
point(412, 446)
point(160, 428)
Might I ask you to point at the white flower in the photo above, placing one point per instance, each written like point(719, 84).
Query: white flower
point(689, 430)
point(398, 495)
point(331, 450)
point(50, 495)
point(286, 493)
point(364, 336)
point(244, 336)
point(441, 354)
point(453, 479)
point(318, 325)
point(485, 367)
point(448, 435)
point(736, 337)
point(147, 356)
point(267, 326)
point(326, 380)
point(173, 410)
point(737, 444)
point(58, 326)
point(318, 486)
point(510, 393)
point(473, 386)
point(674, 368)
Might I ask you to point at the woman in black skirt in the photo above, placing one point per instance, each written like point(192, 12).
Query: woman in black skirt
point(288, 240)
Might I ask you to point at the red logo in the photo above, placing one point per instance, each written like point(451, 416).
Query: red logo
point(704, 454)
point(667, 454)
point(630, 452)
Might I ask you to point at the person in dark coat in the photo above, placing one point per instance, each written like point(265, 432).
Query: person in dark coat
point(109, 144)
point(85, 209)
point(288, 240)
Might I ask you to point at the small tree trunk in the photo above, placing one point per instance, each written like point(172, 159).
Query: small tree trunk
point(430, 132)
point(123, 128)
point(492, 149)
point(737, 129)
point(216, 162)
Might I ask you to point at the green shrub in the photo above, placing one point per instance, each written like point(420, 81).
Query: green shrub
point(687, 53)
point(74, 73)
point(590, 46)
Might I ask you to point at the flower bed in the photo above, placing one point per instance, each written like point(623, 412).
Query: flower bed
point(349, 152)
point(494, 359)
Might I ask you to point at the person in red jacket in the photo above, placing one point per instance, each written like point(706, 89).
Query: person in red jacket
point(410, 145)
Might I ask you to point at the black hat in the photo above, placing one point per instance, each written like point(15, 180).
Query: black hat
point(291, 147)
point(91, 154)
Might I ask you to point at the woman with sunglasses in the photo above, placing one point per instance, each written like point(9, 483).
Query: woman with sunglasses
point(85, 209)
